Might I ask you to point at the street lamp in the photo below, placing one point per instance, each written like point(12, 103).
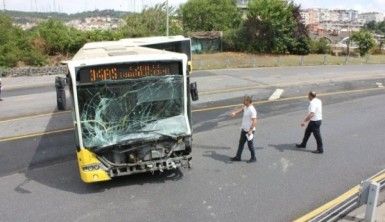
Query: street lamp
point(167, 19)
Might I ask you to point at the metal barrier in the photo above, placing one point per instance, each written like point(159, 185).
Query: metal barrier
point(365, 193)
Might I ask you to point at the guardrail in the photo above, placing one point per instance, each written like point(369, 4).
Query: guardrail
point(365, 193)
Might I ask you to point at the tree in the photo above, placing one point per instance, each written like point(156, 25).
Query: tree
point(210, 15)
point(102, 35)
point(376, 27)
point(57, 38)
point(300, 43)
point(15, 47)
point(365, 41)
point(274, 26)
point(150, 22)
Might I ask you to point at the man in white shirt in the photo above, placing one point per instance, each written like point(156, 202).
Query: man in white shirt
point(314, 117)
point(249, 122)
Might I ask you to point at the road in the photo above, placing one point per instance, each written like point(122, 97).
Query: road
point(33, 95)
point(284, 183)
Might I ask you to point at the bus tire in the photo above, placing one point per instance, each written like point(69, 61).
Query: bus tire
point(61, 100)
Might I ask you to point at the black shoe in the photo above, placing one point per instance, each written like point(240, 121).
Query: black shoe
point(235, 159)
point(317, 152)
point(252, 160)
point(300, 146)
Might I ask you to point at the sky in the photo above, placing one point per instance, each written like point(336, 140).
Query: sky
point(73, 6)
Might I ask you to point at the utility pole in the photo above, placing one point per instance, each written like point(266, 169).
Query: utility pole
point(167, 19)
point(3, 5)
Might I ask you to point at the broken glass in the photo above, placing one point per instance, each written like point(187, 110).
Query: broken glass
point(131, 109)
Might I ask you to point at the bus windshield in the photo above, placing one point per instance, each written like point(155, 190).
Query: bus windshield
point(131, 109)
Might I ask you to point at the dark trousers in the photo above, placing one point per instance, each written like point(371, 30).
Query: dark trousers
point(242, 141)
point(313, 127)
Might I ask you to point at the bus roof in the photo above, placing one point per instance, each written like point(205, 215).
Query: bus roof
point(124, 47)
point(118, 50)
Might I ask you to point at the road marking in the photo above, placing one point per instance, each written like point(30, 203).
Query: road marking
point(33, 116)
point(285, 164)
point(276, 95)
point(194, 111)
point(11, 138)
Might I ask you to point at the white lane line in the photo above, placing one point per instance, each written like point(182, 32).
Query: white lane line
point(379, 84)
point(276, 95)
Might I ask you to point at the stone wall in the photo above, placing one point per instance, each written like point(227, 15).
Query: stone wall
point(34, 71)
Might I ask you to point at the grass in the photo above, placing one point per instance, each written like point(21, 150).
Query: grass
point(243, 60)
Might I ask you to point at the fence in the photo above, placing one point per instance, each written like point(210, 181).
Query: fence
point(34, 71)
point(227, 60)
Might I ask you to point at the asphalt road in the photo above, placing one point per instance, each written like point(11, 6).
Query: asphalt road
point(35, 95)
point(39, 179)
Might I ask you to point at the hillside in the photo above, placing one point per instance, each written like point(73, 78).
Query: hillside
point(24, 17)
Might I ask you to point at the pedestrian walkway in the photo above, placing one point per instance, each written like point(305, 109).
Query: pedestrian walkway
point(13, 83)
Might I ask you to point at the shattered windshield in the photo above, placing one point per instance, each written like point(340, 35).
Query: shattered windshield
point(131, 109)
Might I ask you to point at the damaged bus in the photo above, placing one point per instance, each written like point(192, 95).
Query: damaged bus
point(132, 106)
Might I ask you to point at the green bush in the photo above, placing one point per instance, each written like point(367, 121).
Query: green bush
point(300, 47)
point(210, 15)
point(320, 46)
point(59, 38)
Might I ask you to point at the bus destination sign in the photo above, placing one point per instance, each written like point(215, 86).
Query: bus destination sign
point(127, 71)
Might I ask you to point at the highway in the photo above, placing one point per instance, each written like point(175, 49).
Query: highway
point(40, 181)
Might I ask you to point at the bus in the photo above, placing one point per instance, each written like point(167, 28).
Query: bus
point(132, 106)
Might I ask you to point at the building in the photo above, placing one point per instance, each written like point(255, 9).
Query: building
point(242, 3)
point(310, 16)
point(346, 15)
point(371, 16)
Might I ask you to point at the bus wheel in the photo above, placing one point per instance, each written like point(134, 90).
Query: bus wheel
point(60, 84)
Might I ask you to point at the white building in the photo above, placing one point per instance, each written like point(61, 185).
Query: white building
point(242, 3)
point(371, 16)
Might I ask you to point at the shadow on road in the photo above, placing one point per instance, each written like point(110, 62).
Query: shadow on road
point(65, 176)
point(221, 157)
point(209, 147)
point(217, 156)
point(204, 122)
point(289, 147)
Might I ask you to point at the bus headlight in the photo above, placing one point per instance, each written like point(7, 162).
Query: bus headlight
point(91, 167)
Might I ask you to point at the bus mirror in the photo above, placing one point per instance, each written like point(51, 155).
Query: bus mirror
point(189, 66)
point(194, 91)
